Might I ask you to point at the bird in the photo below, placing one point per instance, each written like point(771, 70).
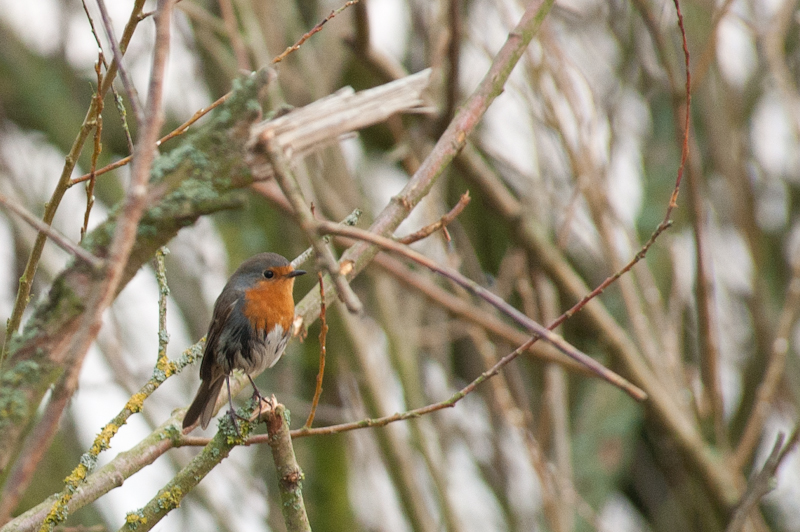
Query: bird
point(250, 326)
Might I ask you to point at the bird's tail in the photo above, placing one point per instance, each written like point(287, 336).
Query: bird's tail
point(203, 405)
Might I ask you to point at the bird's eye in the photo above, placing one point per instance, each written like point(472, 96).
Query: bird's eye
point(269, 274)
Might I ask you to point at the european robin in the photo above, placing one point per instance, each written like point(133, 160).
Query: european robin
point(249, 329)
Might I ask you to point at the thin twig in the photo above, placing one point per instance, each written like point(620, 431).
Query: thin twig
point(59, 239)
point(117, 98)
point(127, 84)
point(381, 421)
point(232, 29)
point(177, 131)
point(351, 220)
point(523, 320)
point(285, 178)
point(452, 72)
point(322, 352)
point(673, 202)
point(666, 223)
point(707, 321)
point(441, 224)
point(313, 30)
point(94, 30)
point(773, 375)
point(98, 146)
point(761, 483)
point(471, 313)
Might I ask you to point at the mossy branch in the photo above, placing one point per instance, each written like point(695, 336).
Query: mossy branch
point(108, 477)
point(170, 496)
point(290, 476)
point(164, 369)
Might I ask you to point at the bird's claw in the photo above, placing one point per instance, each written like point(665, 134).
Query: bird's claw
point(265, 406)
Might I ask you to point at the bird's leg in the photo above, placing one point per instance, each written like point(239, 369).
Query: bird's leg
point(256, 392)
point(261, 401)
point(232, 413)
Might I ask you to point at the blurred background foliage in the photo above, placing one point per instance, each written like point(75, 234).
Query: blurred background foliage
point(582, 150)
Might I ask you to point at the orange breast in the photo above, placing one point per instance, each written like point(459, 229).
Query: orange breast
point(270, 303)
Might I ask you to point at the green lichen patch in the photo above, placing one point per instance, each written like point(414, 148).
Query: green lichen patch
point(21, 372)
point(136, 402)
point(171, 498)
point(134, 519)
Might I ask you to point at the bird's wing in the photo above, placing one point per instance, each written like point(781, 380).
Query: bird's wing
point(222, 312)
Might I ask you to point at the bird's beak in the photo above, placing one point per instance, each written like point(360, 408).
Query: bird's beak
point(295, 273)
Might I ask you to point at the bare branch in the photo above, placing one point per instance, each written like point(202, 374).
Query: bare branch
point(133, 95)
point(425, 232)
point(291, 189)
point(59, 239)
point(508, 310)
point(323, 332)
point(323, 121)
point(761, 483)
point(26, 281)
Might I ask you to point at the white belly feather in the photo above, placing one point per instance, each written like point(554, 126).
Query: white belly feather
point(266, 351)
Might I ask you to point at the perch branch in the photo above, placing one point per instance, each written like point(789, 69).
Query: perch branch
point(290, 476)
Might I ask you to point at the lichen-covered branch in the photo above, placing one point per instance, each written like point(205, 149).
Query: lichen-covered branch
point(170, 496)
point(290, 476)
point(108, 477)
